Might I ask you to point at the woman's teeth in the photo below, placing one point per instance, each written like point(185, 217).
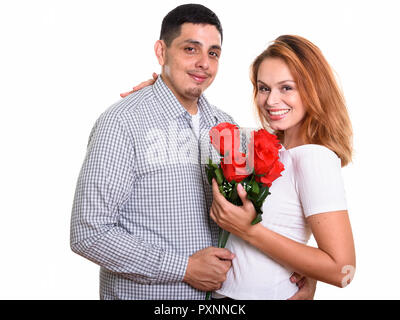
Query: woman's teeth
point(278, 113)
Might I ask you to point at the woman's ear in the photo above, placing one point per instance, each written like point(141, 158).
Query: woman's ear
point(160, 51)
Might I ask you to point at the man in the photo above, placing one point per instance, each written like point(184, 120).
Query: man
point(142, 199)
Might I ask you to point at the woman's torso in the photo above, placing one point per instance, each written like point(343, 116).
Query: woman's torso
point(254, 275)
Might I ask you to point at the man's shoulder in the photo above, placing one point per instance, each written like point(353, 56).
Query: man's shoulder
point(125, 110)
point(131, 104)
point(221, 116)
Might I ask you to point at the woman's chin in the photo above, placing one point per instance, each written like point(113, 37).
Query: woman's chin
point(276, 127)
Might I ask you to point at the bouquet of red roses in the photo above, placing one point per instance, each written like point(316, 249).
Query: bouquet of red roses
point(255, 172)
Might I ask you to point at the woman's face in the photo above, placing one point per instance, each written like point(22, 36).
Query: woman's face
point(278, 97)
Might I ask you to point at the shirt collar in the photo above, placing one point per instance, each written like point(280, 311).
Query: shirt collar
point(207, 112)
point(173, 109)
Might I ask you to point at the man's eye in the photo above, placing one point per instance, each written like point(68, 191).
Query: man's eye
point(190, 49)
point(214, 54)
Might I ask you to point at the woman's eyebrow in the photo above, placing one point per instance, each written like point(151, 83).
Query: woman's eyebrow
point(280, 82)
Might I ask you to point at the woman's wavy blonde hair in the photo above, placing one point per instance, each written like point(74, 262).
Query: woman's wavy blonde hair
point(327, 121)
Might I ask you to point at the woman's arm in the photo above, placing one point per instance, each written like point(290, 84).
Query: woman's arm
point(329, 263)
point(332, 262)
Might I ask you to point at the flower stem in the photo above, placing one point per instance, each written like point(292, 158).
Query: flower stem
point(223, 238)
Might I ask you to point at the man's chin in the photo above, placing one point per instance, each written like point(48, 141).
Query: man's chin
point(194, 92)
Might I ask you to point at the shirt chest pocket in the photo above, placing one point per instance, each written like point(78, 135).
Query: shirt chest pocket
point(156, 162)
point(164, 154)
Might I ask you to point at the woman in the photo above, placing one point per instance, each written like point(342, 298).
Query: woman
point(298, 98)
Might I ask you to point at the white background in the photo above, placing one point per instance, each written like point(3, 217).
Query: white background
point(62, 63)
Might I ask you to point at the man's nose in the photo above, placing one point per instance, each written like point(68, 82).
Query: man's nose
point(203, 61)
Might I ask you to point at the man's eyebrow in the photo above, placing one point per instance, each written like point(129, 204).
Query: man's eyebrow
point(216, 47)
point(191, 41)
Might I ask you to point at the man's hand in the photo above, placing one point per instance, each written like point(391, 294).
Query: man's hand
point(207, 268)
point(307, 287)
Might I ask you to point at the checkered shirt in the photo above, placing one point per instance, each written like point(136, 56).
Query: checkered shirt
point(142, 200)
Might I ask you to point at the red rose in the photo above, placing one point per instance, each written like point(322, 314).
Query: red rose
point(263, 151)
point(235, 169)
point(273, 173)
point(264, 156)
point(225, 137)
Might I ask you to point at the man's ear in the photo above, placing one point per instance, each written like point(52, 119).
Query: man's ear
point(160, 49)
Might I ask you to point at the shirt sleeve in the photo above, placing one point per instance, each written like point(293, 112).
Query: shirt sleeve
point(319, 181)
point(104, 184)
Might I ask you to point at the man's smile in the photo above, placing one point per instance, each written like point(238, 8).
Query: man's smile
point(198, 77)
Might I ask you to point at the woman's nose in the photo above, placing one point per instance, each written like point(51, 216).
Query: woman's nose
point(273, 98)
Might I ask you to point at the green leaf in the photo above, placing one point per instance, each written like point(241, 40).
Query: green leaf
point(212, 164)
point(254, 188)
point(257, 219)
point(263, 194)
point(219, 175)
point(210, 173)
point(247, 179)
point(210, 176)
point(234, 195)
point(221, 189)
point(252, 197)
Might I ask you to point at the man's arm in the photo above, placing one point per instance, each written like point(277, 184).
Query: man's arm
point(104, 185)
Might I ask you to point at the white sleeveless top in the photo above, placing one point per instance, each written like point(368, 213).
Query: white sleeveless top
point(310, 184)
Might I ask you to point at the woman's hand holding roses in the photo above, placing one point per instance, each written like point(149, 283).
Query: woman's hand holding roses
point(234, 219)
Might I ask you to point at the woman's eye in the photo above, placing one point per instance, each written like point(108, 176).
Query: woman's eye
point(263, 89)
point(286, 88)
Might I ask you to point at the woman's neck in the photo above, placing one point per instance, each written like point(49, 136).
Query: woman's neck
point(292, 139)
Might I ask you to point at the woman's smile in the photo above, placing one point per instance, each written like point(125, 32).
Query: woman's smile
point(276, 114)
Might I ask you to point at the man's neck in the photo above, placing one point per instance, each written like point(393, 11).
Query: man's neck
point(189, 104)
point(193, 110)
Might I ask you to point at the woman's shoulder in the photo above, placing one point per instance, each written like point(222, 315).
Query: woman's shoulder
point(314, 156)
point(311, 149)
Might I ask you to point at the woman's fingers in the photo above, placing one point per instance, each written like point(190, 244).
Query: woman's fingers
point(141, 85)
point(125, 94)
point(212, 214)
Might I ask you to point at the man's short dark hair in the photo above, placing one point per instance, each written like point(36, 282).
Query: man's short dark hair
point(187, 13)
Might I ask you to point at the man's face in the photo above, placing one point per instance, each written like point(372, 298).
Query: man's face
point(190, 64)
